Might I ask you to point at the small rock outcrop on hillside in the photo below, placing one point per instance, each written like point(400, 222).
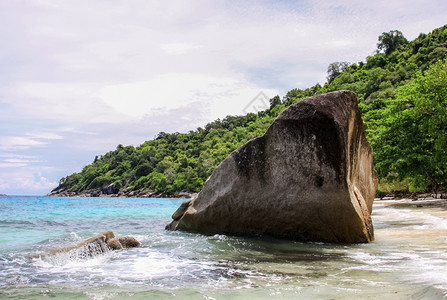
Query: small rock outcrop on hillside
point(109, 191)
point(310, 177)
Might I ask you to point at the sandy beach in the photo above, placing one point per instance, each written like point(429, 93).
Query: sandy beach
point(418, 201)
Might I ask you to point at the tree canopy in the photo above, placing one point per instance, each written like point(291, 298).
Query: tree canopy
point(409, 132)
point(335, 69)
point(390, 41)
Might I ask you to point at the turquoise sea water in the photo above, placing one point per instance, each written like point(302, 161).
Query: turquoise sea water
point(408, 260)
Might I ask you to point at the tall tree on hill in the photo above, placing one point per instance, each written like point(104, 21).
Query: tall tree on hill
point(275, 101)
point(335, 69)
point(390, 41)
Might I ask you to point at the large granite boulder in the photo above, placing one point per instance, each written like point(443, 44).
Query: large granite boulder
point(310, 177)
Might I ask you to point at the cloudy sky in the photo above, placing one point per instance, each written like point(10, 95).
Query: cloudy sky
point(78, 77)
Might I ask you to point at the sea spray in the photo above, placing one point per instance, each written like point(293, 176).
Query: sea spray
point(82, 253)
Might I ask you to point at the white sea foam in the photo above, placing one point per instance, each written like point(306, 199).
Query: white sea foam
point(74, 236)
point(411, 218)
point(85, 254)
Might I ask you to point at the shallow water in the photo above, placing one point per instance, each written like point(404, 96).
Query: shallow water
point(408, 260)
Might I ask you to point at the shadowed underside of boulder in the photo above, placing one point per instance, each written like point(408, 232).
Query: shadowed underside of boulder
point(310, 177)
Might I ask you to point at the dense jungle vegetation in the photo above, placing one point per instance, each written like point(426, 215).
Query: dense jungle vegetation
point(402, 91)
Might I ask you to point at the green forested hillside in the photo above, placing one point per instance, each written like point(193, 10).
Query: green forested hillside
point(403, 97)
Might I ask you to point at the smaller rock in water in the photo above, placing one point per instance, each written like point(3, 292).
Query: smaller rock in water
point(123, 242)
point(114, 244)
point(99, 244)
point(129, 242)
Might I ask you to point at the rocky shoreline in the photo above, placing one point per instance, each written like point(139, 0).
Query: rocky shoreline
point(104, 192)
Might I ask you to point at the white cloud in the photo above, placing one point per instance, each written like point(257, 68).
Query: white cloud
point(178, 48)
point(12, 161)
point(20, 161)
point(74, 103)
point(25, 181)
point(17, 143)
point(45, 135)
point(10, 143)
point(12, 164)
point(17, 156)
point(219, 96)
point(15, 160)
